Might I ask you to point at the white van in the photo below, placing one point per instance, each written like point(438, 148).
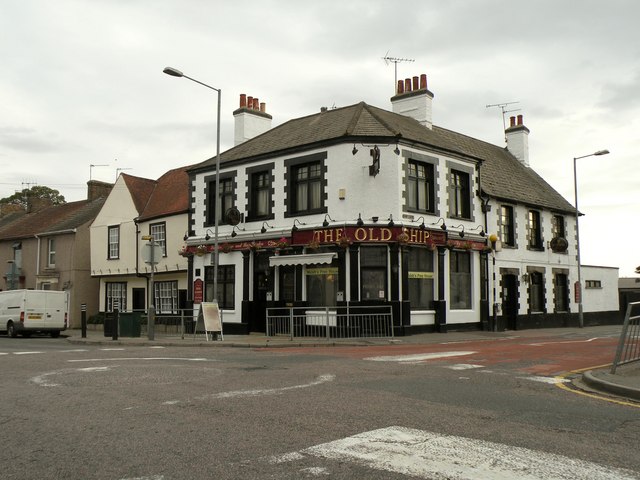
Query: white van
point(27, 311)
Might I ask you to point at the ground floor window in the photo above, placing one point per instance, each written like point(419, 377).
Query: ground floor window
point(460, 280)
point(322, 284)
point(420, 275)
point(287, 283)
point(373, 273)
point(561, 292)
point(116, 296)
point(166, 297)
point(226, 286)
point(536, 292)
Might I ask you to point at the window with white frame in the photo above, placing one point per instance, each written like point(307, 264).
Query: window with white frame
point(166, 296)
point(507, 226)
point(113, 240)
point(159, 233)
point(51, 252)
point(116, 296)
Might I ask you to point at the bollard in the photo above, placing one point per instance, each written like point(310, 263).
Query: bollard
point(116, 321)
point(83, 319)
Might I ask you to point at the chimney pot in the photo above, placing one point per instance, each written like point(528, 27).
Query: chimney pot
point(249, 101)
point(407, 84)
point(400, 87)
point(256, 104)
point(519, 119)
point(423, 81)
point(263, 107)
point(243, 100)
point(512, 121)
point(415, 84)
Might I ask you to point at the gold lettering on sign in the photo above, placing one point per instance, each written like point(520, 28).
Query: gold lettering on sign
point(385, 234)
point(361, 234)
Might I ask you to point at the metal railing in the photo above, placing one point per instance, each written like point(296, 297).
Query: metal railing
point(629, 345)
point(330, 322)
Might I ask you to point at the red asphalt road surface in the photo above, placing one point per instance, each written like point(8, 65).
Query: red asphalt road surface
point(537, 356)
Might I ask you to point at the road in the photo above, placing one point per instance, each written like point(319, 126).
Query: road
point(474, 409)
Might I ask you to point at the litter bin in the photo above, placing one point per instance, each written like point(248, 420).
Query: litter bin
point(129, 323)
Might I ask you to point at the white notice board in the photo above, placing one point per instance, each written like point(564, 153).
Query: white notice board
point(212, 319)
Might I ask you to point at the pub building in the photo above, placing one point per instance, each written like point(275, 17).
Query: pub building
point(360, 205)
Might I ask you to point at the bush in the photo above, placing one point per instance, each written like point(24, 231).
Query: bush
point(97, 319)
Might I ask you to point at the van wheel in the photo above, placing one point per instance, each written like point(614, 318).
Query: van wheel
point(11, 330)
point(55, 334)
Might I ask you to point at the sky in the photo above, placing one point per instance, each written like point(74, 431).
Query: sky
point(82, 85)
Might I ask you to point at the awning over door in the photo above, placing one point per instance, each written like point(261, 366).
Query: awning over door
point(306, 259)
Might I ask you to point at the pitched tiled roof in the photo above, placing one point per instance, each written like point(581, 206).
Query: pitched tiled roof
point(51, 219)
point(170, 195)
point(140, 189)
point(502, 175)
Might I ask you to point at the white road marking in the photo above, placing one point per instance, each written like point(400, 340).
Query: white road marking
point(463, 366)
point(420, 357)
point(157, 346)
point(567, 341)
point(316, 471)
point(259, 392)
point(4, 353)
point(42, 380)
point(550, 380)
point(73, 351)
point(112, 349)
point(140, 358)
point(428, 455)
point(152, 477)
point(25, 353)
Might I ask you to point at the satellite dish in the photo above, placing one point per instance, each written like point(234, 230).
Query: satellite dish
point(233, 216)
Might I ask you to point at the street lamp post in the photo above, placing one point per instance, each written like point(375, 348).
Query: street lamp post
point(216, 254)
point(575, 189)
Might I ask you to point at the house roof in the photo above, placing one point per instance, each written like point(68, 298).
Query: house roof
point(140, 190)
point(170, 195)
point(502, 175)
point(55, 218)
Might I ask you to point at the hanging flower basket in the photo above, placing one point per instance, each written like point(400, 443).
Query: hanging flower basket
point(184, 251)
point(403, 238)
point(313, 245)
point(226, 247)
point(282, 243)
point(345, 242)
point(201, 250)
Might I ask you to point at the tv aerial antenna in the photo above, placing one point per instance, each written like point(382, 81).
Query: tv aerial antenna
point(503, 107)
point(387, 59)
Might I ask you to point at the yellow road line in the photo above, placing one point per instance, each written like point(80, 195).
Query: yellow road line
point(560, 384)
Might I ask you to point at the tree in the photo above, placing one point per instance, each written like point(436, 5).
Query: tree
point(36, 192)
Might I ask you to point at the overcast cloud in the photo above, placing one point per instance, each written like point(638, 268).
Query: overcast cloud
point(82, 84)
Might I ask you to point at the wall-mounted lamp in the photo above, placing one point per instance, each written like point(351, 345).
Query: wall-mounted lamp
point(525, 277)
point(355, 150)
point(479, 227)
point(374, 168)
point(396, 150)
point(443, 226)
point(390, 224)
point(207, 236)
point(422, 225)
point(295, 228)
point(461, 233)
point(359, 222)
point(325, 223)
point(374, 219)
point(186, 236)
point(263, 229)
point(233, 232)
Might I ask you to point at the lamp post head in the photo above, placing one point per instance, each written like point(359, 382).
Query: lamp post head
point(173, 72)
point(602, 152)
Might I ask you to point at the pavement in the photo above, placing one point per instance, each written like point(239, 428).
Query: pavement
point(625, 382)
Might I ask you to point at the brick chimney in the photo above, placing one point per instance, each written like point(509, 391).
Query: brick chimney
point(414, 100)
point(251, 119)
point(97, 189)
point(518, 140)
